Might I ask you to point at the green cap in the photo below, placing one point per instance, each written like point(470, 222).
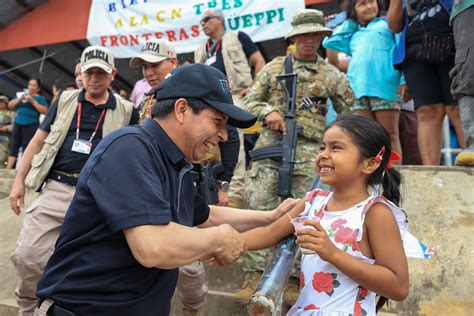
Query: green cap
point(308, 21)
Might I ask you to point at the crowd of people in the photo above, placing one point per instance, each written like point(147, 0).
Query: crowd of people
point(118, 223)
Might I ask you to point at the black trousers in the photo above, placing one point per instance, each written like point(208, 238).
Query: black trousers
point(21, 136)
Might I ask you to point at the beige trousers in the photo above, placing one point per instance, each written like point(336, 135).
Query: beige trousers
point(191, 287)
point(237, 189)
point(38, 235)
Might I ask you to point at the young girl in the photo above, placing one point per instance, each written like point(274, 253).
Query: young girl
point(356, 236)
point(366, 38)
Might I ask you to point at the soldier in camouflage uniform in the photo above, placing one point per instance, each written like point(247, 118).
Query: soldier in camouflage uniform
point(317, 81)
point(6, 124)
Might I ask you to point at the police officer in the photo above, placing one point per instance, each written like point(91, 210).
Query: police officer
point(317, 82)
point(52, 161)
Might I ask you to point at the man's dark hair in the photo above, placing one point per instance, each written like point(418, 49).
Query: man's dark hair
point(165, 107)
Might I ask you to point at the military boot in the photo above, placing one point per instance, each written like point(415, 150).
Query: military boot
point(292, 290)
point(249, 286)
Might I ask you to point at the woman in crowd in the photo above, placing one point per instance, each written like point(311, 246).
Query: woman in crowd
point(425, 54)
point(28, 108)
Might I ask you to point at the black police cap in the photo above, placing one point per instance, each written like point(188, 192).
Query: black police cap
point(208, 84)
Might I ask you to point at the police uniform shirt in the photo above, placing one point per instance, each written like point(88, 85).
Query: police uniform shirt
point(135, 177)
point(70, 161)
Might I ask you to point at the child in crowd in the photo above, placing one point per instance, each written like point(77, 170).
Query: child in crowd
point(356, 236)
point(365, 36)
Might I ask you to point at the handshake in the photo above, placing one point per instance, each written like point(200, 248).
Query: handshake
point(231, 246)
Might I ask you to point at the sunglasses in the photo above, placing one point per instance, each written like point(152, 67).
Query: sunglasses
point(207, 18)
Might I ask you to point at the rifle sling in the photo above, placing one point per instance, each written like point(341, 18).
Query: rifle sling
point(288, 70)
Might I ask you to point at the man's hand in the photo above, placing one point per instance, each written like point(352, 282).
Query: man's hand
point(275, 122)
point(283, 208)
point(223, 198)
point(232, 246)
point(17, 197)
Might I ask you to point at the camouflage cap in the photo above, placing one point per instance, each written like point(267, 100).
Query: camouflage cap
point(308, 21)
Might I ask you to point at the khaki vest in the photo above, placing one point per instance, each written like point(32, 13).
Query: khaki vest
point(67, 106)
point(236, 64)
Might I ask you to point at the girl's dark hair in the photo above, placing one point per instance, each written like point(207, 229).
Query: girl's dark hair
point(370, 137)
point(164, 107)
point(349, 7)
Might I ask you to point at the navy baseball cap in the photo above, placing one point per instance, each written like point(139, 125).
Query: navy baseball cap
point(208, 84)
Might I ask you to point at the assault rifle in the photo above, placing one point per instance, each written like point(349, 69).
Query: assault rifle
point(287, 150)
point(206, 182)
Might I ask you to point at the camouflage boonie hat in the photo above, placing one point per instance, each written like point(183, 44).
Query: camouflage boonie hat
point(308, 21)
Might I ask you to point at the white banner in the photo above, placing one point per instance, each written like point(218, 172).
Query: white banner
point(124, 26)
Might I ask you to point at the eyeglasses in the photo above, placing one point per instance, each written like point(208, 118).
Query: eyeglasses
point(207, 18)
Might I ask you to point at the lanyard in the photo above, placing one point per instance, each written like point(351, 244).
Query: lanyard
point(209, 48)
point(79, 113)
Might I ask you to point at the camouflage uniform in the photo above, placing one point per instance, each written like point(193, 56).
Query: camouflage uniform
point(6, 119)
point(315, 79)
point(144, 109)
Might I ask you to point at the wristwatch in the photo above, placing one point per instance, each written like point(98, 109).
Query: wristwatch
point(223, 185)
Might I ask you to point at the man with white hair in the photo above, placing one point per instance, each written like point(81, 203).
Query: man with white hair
point(233, 53)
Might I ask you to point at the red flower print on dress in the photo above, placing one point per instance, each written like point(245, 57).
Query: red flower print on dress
point(345, 235)
point(325, 282)
point(311, 307)
point(301, 280)
point(363, 292)
point(358, 310)
point(309, 197)
point(338, 223)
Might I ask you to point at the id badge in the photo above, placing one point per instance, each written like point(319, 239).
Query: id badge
point(82, 146)
point(211, 60)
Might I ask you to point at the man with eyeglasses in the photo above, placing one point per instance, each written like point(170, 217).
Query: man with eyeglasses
point(233, 53)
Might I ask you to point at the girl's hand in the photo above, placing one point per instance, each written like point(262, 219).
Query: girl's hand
point(329, 18)
point(403, 93)
point(317, 240)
